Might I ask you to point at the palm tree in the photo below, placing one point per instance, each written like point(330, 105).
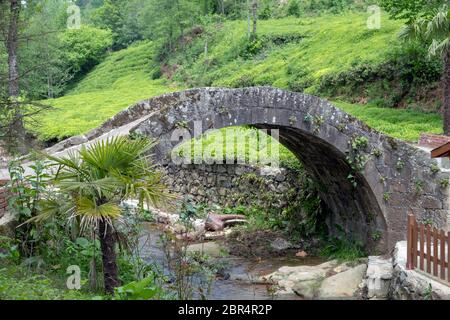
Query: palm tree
point(435, 28)
point(95, 182)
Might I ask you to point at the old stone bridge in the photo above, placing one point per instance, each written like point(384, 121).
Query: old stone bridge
point(369, 181)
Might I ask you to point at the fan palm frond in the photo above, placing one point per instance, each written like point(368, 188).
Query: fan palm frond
point(115, 154)
point(91, 214)
point(438, 47)
point(434, 28)
point(49, 208)
point(438, 25)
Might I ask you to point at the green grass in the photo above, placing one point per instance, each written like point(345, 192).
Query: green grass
point(121, 80)
point(404, 124)
point(245, 146)
point(18, 284)
point(330, 44)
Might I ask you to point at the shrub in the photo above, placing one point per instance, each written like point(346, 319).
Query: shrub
point(84, 48)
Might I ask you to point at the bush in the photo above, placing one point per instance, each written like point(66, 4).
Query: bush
point(293, 8)
point(84, 48)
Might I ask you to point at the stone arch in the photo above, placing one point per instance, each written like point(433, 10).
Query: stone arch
point(320, 135)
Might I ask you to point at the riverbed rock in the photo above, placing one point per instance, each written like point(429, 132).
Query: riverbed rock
point(212, 249)
point(302, 280)
point(343, 285)
point(280, 244)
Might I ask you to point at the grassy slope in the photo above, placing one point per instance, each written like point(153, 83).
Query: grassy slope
point(332, 44)
point(122, 79)
point(404, 124)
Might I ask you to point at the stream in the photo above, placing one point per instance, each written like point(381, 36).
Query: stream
point(238, 268)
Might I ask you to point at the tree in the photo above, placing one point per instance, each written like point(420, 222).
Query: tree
point(168, 20)
point(429, 22)
point(23, 42)
point(83, 48)
point(11, 38)
point(95, 182)
point(253, 16)
point(119, 16)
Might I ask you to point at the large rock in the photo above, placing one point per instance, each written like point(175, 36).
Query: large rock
point(343, 285)
point(379, 276)
point(7, 225)
point(302, 280)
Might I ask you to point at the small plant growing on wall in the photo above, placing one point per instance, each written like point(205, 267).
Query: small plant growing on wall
point(418, 185)
point(341, 127)
point(181, 125)
point(307, 118)
point(376, 236)
point(444, 183)
point(355, 159)
point(376, 153)
point(292, 120)
point(359, 143)
point(386, 196)
point(428, 293)
point(428, 222)
point(318, 120)
point(400, 165)
point(223, 109)
point(435, 168)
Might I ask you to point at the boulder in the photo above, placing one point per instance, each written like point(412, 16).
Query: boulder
point(302, 280)
point(343, 285)
point(379, 275)
point(7, 225)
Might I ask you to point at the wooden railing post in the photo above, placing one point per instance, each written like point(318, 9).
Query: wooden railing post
point(409, 245)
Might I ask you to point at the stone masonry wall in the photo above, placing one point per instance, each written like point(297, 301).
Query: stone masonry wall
point(230, 185)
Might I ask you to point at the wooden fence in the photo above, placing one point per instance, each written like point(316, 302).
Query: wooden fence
point(428, 249)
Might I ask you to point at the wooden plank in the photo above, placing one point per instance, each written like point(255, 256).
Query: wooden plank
point(428, 249)
point(409, 232)
point(441, 151)
point(414, 243)
point(422, 245)
point(448, 256)
point(442, 262)
point(435, 252)
point(431, 257)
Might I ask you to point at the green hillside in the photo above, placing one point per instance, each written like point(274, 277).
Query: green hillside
point(122, 79)
point(290, 53)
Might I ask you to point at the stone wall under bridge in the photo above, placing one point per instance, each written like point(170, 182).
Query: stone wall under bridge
point(232, 185)
point(376, 194)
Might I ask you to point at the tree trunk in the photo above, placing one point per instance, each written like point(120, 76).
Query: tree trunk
point(17, 130)
point(110, 271)
point(12, 46)
point(254, 16)
point(446, 89)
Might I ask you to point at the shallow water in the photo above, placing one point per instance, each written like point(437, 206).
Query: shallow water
point(241, 270)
